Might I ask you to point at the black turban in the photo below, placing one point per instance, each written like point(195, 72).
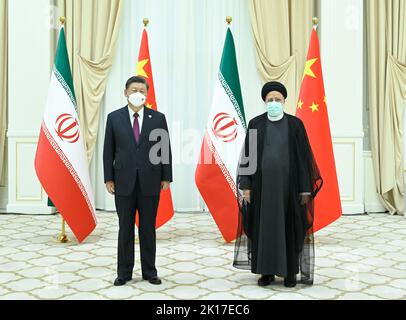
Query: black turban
point(274, 86)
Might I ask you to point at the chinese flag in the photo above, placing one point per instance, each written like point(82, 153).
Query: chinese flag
point(312, 110)
point(144, 69)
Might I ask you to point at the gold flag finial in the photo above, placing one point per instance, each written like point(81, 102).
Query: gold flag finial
point(229, 20)
point(146, 22)
point(315, 22)
point(62, 20)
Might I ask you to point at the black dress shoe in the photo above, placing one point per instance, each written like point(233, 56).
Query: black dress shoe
point(266, 281)
point(121, 281)
point(155, 281)
point(290, 282)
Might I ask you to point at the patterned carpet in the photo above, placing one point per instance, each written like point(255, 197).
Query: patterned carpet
point(359, 257)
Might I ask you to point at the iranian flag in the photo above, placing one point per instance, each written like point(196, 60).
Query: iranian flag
point(223, 141)
point(60, 162)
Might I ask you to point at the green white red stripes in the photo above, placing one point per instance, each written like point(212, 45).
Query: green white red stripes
point(223, 141)
point(60, 163)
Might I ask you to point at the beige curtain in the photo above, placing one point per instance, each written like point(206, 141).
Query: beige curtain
point(92, 28)
point(282, 33)
point(3, 87)
point(386, 42)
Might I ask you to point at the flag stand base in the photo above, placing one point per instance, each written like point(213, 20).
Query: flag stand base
point(63, 237)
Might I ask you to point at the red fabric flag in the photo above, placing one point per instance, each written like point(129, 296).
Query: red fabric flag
point(222, 145)
point(312, 110)
point(144, 69)
point(60, 162)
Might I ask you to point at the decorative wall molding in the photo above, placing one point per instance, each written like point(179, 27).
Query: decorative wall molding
point(348, 155)
point(25, 193)
point(372, 201)
point(23, 133)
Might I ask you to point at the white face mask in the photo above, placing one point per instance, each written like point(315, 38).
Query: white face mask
point(137, 99)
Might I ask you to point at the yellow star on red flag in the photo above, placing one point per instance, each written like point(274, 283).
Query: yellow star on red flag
point(314, 116)
point(308, 68)
point(314, 107)
point(140, 68)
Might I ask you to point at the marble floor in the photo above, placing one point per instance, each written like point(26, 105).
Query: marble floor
point(358, 257)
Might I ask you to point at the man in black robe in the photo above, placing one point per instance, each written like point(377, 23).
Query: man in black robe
point(275, 236)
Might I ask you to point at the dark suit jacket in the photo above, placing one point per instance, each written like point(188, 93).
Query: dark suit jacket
point(125, 160)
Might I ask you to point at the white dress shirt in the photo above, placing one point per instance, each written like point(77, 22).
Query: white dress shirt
point(140, 118)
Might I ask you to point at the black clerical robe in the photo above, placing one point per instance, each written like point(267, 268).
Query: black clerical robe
point(275, 230)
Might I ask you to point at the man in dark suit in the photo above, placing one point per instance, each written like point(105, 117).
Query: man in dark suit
point(137, 166)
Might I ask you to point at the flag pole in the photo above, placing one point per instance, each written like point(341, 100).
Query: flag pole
point(315, 23)
point(146, 23)
point(63, 237)
point(310, 237)
point(62, 20)
point(229, 19)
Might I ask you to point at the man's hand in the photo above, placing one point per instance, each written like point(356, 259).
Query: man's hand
point(247, 195)
point(165, 185)
point(111, 188)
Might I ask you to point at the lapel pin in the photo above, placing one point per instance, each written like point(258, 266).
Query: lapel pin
point(150, 116)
